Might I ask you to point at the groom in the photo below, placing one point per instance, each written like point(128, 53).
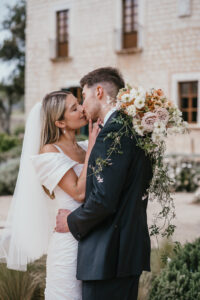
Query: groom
point(111, 226)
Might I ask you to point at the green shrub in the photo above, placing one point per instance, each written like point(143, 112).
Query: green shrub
point(15, 285)
point(159, 260)
point(7, 142)
point(185, 173)
point(180, 280)
point(12, 153)
point(8, 176)
point(19, 130)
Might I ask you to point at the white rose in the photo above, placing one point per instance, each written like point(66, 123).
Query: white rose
point(163, 115)
point(139, 92)
point(131, 110)
point(139, 130)
point(159, 127)
point(139, 102)
point(138, 127)
point(125, 98)
point(148, 121)
point(156, 137)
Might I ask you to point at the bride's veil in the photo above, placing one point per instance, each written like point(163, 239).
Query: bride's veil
point(26, 233)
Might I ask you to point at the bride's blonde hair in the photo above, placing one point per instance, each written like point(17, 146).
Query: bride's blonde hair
point(53, 109)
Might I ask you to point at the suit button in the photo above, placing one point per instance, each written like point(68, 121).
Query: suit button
point(116, 226)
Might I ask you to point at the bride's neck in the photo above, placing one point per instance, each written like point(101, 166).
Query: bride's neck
point(68, 137)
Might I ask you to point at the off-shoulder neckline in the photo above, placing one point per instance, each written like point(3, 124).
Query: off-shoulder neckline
point(62, 153)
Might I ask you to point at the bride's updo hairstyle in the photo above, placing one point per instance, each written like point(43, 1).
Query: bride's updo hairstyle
point(53, 109)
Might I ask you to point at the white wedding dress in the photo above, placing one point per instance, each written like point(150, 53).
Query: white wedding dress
point(61, 282)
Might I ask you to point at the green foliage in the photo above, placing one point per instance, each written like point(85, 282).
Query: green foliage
point(8, 176)
point(15, 285)
point(12, 153)
point(185, 173)
point(12, 49)
point(181, 277)
point(19, 131)
point(161, 255)
point(8, 142)
point(159, 260)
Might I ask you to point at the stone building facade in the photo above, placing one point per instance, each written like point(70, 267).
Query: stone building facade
point(154, 44)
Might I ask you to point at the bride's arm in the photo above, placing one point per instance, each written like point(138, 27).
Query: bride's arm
point(70, 183)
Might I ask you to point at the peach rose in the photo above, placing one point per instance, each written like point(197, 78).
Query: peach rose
point(162, 115)
point(148, 121)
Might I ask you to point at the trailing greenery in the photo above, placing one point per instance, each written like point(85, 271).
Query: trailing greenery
point(181, 278)
point(159, 189)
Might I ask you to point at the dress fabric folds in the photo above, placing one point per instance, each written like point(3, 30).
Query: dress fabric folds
point(61, 282)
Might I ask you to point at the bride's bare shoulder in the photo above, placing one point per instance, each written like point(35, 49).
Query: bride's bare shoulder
point(48, 148)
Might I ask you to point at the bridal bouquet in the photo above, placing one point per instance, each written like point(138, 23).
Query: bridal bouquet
point(154, 116)
point(150, 117)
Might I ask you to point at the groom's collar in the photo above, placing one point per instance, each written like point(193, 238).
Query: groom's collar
point(108, 115)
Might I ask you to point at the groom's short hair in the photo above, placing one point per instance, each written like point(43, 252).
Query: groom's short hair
point(107, 75)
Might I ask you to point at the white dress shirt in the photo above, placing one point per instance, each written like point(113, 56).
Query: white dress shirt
point(109, 113)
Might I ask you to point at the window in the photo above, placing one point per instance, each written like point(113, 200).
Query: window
point(188, 100)
point(130, 20)
point(62, 33)
point(184, 8)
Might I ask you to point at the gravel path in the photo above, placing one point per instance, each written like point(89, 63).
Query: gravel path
point(187, 219)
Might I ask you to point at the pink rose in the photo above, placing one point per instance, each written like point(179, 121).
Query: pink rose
point(162, 115)
point(148, 121)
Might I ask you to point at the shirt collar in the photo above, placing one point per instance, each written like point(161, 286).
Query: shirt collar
point(109, 113)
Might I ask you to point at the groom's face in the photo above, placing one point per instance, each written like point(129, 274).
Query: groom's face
point(90, 103)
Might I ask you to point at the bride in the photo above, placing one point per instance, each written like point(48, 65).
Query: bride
point(53, 166)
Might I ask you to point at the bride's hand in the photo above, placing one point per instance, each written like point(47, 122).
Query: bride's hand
point(94, 130)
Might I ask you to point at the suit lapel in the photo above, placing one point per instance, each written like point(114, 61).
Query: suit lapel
point(93, 155)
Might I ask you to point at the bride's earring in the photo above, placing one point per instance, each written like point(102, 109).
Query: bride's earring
point(64, 131)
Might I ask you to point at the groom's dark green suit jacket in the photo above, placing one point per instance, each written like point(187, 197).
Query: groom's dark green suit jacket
point(111, 226)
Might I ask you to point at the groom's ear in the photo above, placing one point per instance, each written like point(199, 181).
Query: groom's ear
point(99, 92)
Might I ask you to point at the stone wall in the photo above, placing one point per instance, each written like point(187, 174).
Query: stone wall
point(170, 45)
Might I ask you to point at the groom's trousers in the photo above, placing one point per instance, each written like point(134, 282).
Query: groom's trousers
point(125, 288)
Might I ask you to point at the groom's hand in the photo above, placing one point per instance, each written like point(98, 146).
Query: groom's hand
point(61, 221)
